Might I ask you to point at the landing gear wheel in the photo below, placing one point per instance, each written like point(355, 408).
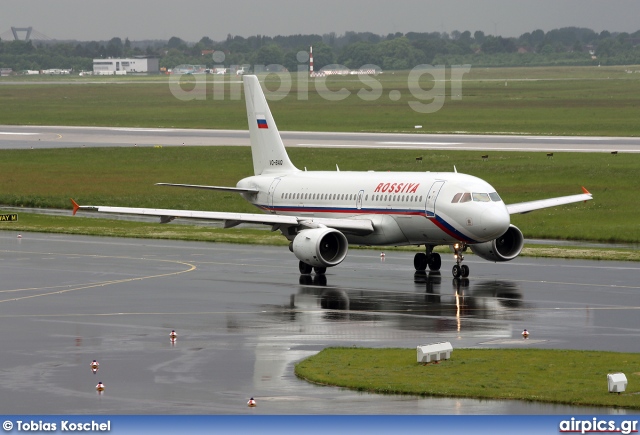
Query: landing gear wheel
point(435, 262)
point(456, 271)
point(464, 270)
point(305, 269)
point(420, 261)
point(320, 270)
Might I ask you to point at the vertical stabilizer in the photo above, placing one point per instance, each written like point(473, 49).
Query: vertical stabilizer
point(269, 154)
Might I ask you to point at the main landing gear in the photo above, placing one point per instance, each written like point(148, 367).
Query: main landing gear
point(459, 270)
point(427, 258)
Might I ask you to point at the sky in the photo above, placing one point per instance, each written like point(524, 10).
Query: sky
point(190, 20)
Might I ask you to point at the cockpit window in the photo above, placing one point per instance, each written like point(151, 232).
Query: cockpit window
point(495, 197)
point(466, 197)
point(456, 198)
point(481, 197)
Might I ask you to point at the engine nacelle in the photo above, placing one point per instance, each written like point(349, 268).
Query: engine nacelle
point(506, 247)
point(320, 247)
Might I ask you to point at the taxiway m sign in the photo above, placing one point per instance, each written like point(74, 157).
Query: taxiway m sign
point(12, 217)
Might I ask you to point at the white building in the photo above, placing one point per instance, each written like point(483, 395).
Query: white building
point(113, 66)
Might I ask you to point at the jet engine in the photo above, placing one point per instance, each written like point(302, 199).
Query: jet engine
point(504, 248)
point(320, 247)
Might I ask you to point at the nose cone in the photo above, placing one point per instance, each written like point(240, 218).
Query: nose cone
point(495, 222)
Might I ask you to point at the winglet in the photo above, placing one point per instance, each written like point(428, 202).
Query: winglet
point(586, 192)
point(76, 207)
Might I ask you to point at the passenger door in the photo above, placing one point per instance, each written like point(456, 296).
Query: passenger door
point(432, 195)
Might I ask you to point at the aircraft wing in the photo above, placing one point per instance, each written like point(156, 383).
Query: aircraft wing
point(352, 226)
point(526, 207)
point(221, 188)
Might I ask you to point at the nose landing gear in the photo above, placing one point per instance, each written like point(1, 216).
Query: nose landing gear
point(459, 270)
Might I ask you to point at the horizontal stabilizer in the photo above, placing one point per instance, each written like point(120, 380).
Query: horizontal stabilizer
point(220, 188)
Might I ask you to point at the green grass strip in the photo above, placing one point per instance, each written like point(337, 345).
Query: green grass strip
point(554, 376)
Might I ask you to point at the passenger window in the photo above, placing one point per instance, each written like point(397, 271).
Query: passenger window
point(495, 197)
point(456, 198)
point(466, 197)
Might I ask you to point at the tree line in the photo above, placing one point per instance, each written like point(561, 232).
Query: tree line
point(395, 51)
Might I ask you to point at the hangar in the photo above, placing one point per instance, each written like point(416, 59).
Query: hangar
point(116, 66)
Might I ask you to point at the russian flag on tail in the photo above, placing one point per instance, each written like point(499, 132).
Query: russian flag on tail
point(262, 121)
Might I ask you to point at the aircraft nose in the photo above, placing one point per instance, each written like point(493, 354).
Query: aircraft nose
point(495, 222)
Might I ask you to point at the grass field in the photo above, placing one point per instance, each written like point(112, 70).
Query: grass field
point(554, 376)
point(558, 101)
point(126, 177)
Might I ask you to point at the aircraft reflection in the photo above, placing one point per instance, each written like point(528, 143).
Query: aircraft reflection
point(433, 303)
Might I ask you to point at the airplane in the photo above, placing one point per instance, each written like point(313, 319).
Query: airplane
point(322, 212)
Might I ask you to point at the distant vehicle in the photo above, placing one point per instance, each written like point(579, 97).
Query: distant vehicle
point(322, 212)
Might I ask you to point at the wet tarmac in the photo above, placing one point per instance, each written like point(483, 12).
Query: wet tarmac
point(244, 317)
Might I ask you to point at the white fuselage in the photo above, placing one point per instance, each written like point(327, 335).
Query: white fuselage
point(407, 208)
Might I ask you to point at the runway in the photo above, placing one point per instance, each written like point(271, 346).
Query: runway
point(244, 317)
point(27, 137)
